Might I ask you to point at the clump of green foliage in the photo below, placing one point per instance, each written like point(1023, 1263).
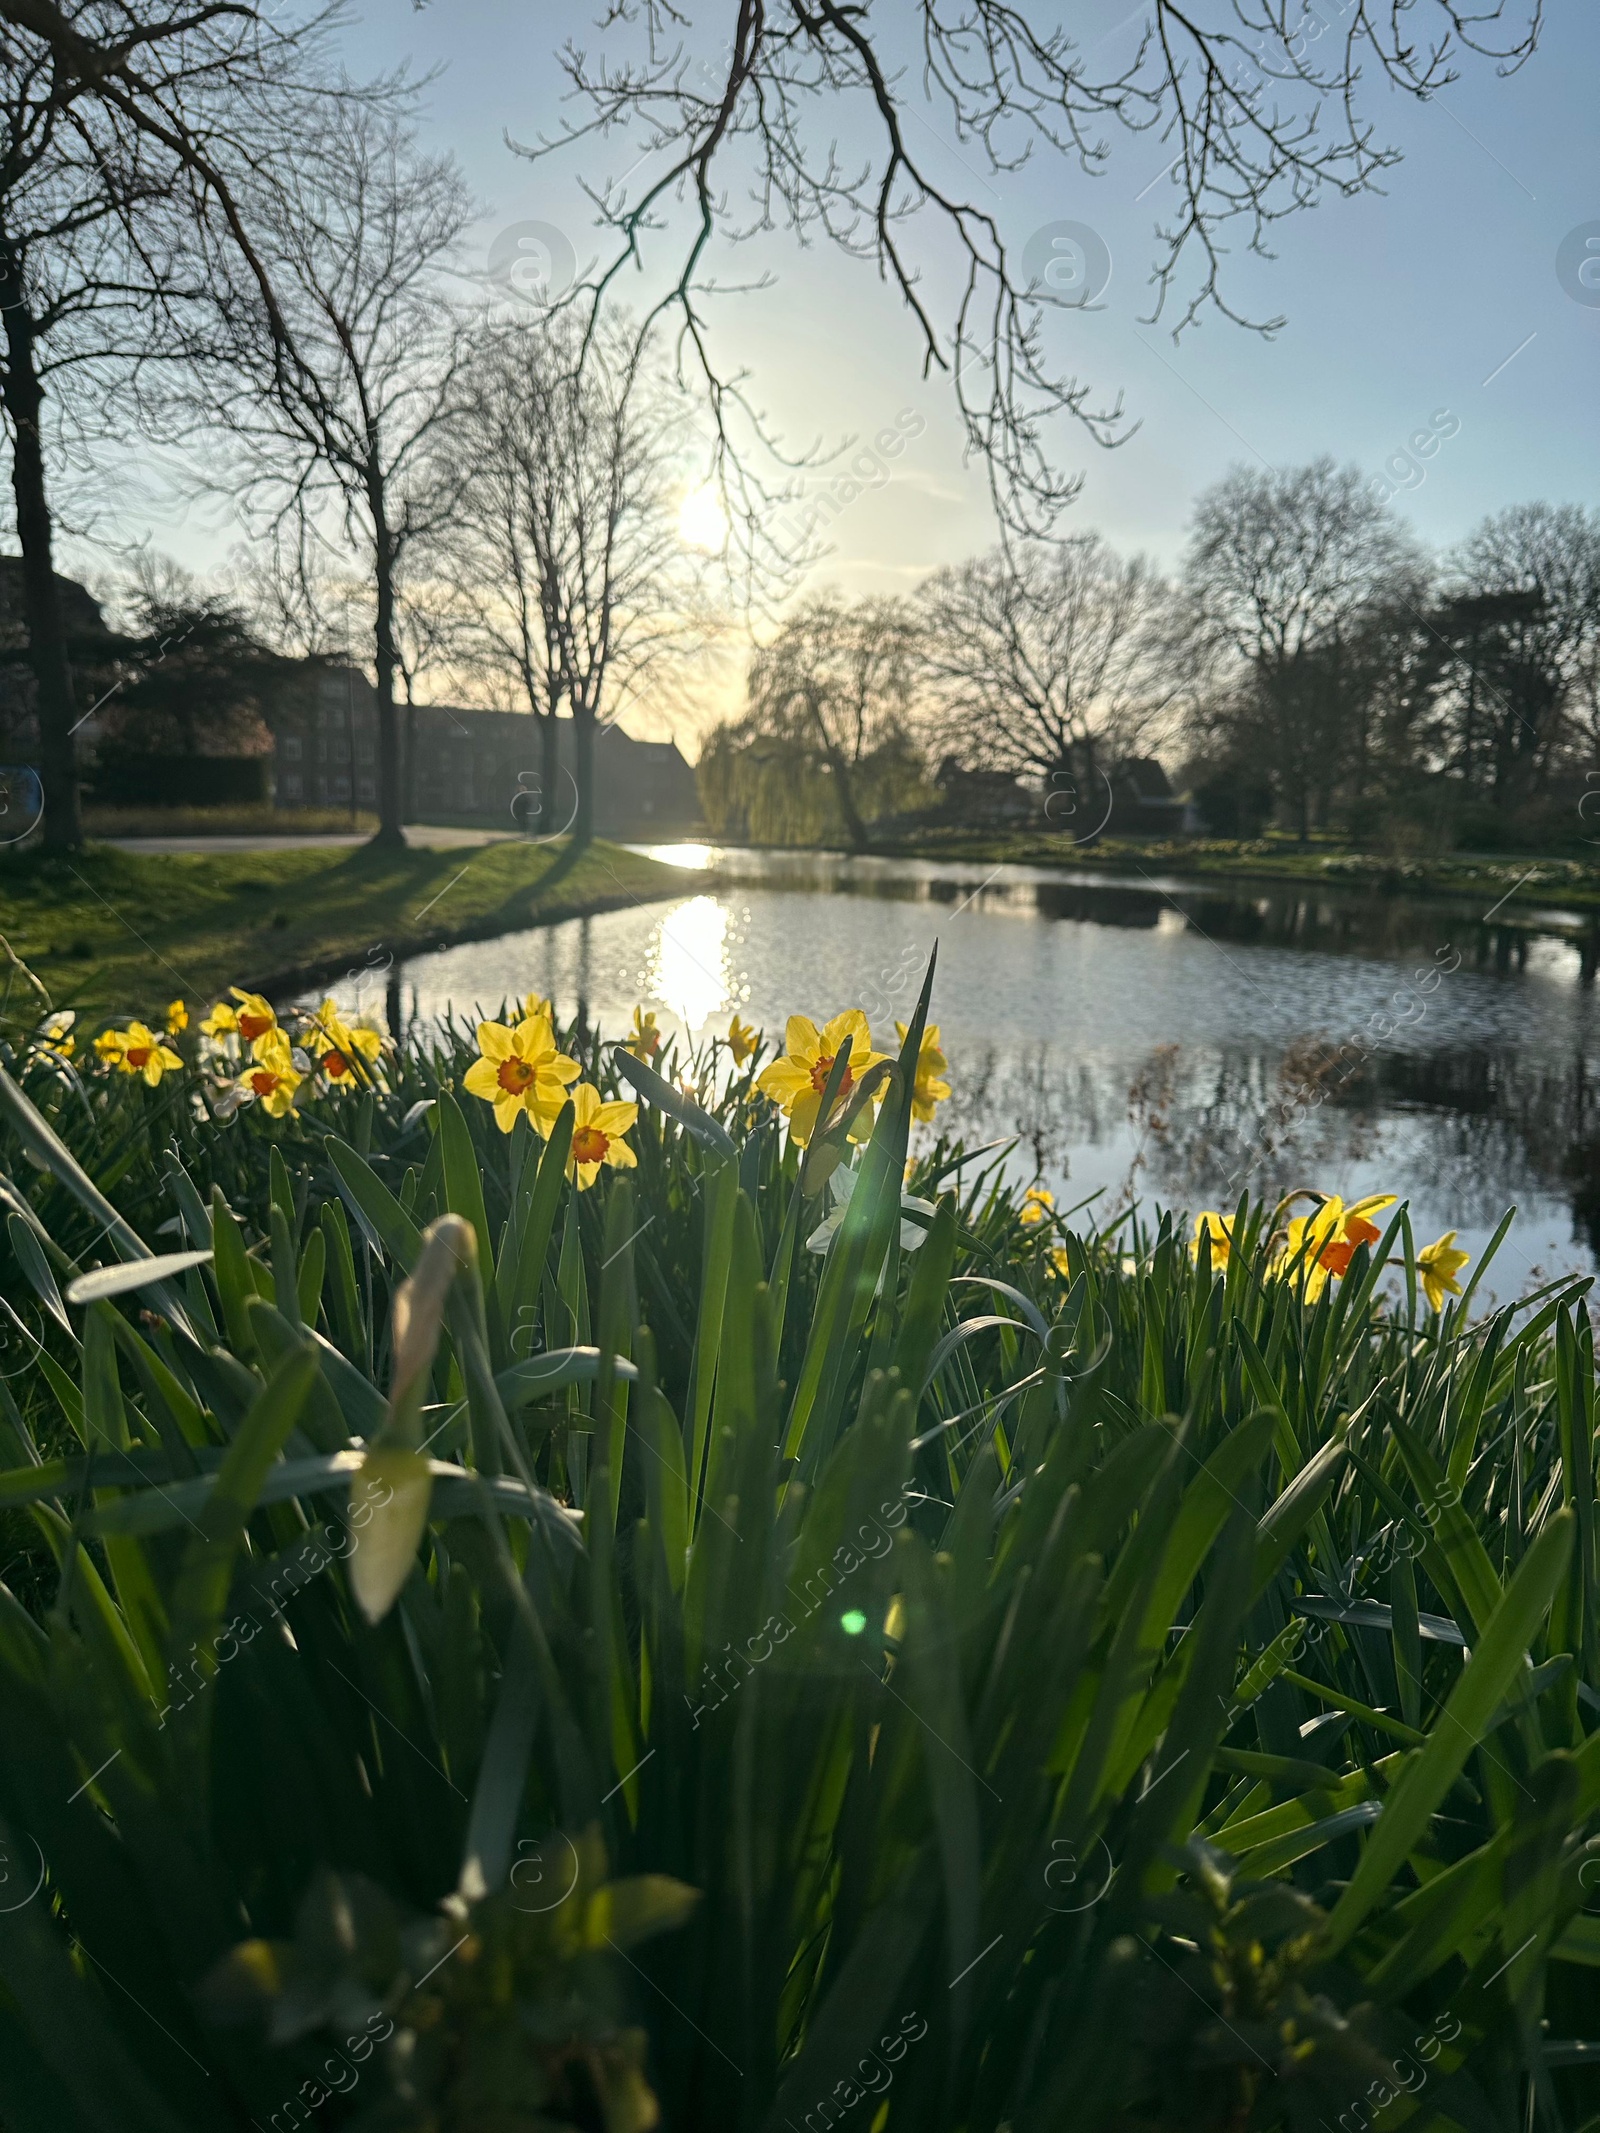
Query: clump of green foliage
point(483, 1654)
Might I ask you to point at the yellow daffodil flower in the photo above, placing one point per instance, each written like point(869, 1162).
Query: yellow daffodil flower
point(223, 1021)
point(1219, 1228)
point(143, 1053)
point(56, 1035)
point(1355, 1221)
point(1037, 1203)
point(108, 1045)
point(1439, 1264)
point(521, 1070)
point(336, 1044)
point(597, 1130)
point(796, 1081)
point(743, 1041)
point(272, 1077)
point(1321, 1245)
point(644, 1039)
point(928, 1089)
point(535, 1005)
point(177, 1017)
point(256, 1017)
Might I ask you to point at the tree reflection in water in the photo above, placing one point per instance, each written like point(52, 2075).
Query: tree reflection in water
point(1468, 1132)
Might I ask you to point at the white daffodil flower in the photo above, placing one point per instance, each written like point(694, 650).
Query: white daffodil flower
point(913, 1235)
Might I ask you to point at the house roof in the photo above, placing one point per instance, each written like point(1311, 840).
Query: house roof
point(81, 611)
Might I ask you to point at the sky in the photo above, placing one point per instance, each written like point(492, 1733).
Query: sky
point(1438, 297)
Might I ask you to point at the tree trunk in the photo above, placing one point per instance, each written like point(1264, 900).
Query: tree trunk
point(387, 662)
point(409, 778)
point(583, 771)
point(855, 828)
point(550, 818)
point(55, 701)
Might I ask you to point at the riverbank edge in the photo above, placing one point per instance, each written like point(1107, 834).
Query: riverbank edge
point(1456, 880)
point(145, 928)
point(323, 971)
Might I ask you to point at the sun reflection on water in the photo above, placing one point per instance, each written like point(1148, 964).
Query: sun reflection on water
point(688, 970)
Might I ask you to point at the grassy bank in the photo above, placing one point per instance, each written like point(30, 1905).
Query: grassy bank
point(115, 932)
point(1525, 880)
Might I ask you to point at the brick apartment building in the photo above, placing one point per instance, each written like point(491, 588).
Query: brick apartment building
point(472, 767)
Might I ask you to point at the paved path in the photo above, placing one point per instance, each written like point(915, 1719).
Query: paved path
point(417, 835)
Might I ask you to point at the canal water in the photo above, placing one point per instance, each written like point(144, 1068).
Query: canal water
point(1145, 1037)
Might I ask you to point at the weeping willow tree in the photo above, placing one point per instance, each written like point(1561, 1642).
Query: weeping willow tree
point(775, 791)
point(823, 749)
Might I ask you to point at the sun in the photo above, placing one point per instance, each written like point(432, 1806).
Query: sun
point(702, 522)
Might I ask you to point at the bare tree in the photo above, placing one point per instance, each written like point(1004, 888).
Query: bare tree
point(112, 116)
point(356, 229)
point(1284, 569)
point(1046, 657)
point(582, 583)
point(1260, 109)
point(170, 78)
point(86, 264)
point(835, 685)
point(1541, 563)
point(513, 545)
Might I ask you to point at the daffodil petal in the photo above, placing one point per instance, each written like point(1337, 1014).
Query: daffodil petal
point(801, 1039)
point(852, 1024)
point(803, 1117)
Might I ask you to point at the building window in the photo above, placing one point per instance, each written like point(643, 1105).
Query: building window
point(363, 751)
point(322, 787)
point(291, 748)
point(289, 785)
point(341, 788)
point(341, 751)
point(365, 787)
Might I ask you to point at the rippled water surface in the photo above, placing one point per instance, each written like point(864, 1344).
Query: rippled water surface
point(1149, 1036)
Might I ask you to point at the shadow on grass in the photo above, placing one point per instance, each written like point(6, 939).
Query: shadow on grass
point(109, 928)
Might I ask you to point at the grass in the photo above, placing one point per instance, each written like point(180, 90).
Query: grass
point(112, 932)
point(483, 1656)
point(245, 819)
point(1530, 880)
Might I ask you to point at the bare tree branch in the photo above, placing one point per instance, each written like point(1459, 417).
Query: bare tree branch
point(1261, 102)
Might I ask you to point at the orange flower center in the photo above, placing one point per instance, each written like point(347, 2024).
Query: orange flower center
point(1336, 1257)
point(589, 1145)
point(137, 1055)
point(515, 1075)
point(821, 1071)
point(263, 1081)
point(252, 1026)
point(334, 1064)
